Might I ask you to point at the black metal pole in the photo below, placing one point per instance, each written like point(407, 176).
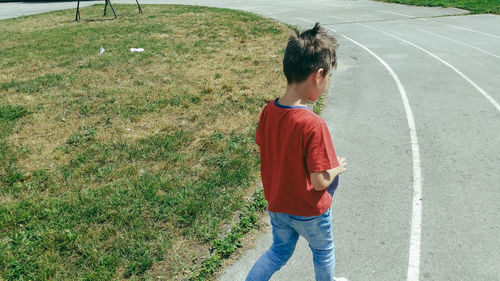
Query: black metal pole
point(77, 17)
point(105, 7)
point(112, 8)
point(139, 6)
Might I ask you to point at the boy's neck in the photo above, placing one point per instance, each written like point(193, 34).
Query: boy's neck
point(294, 96)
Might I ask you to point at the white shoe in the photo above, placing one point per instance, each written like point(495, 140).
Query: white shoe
point(340, 279)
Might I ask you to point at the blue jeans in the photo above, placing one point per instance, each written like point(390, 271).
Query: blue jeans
point(317, 230)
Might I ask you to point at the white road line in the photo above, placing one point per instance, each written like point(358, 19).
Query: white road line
point(370, 16)
point(451, 25)
point(459, 42)
point(306, 20)
point(471, 30)
point(255, 10)
point(335, 17)
point(483, 92)
point(416, 222)
point(394, 13)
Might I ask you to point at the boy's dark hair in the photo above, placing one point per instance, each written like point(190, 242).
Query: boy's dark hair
point(307, 52)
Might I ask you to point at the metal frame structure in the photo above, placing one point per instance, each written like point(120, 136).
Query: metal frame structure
point(77, 17)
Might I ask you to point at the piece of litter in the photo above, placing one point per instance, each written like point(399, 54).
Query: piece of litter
point(101, 50)
point(136, 50)
point(128, 129)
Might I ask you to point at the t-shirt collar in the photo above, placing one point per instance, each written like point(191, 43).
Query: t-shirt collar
point(290, 106)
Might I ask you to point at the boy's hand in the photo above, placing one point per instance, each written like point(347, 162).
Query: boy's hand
point(321, 180)
point(341, 168)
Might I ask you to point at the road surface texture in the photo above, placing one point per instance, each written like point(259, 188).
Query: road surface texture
point(413, 106)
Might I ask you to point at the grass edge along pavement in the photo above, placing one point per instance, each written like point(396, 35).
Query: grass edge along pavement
point(473, 6)
point(78, 207)
point(224, 247)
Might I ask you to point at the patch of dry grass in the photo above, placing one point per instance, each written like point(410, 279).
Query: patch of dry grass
point(125, 158)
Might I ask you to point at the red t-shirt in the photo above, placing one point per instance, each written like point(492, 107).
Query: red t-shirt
point(294, 142)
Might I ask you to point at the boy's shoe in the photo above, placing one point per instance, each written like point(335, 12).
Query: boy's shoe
point(340, 279)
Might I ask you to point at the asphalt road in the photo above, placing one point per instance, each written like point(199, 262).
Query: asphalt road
point(414, 107)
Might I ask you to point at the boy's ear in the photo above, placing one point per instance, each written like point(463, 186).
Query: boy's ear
point(317, 74)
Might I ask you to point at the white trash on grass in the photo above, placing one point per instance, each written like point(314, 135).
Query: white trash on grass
point(133, 50)
point(101, 50)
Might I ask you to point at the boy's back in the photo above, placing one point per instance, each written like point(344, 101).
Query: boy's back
point(294, 142)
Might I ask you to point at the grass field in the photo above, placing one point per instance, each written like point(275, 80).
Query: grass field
point(127, 165)
point(474, 6)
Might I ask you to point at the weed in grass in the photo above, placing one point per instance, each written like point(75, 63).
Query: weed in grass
point(223, 248)
point(161, 147)
point(10, 173)
point(82, 136)
point(37, 84)
point(11, 113)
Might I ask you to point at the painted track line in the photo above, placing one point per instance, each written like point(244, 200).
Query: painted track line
point(399, 14)
point(483, 92)
point(471, 30)
point(416, 222)
point(451, 25)
point(335, 17)
point(459, 42)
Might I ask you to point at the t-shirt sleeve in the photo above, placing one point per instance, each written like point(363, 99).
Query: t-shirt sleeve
point(259, 129)
point(319, 151)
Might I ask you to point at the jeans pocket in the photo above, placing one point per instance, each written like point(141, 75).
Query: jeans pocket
point(276, 219)
point(324, 240)
point(306, 226)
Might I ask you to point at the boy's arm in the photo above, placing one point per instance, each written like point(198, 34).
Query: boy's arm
point(321, 180)
point(320, 155)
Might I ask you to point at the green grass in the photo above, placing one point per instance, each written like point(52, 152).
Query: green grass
point(127, 165)
point(474, 6)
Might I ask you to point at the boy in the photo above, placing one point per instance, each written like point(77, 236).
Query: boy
point(298, 161)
